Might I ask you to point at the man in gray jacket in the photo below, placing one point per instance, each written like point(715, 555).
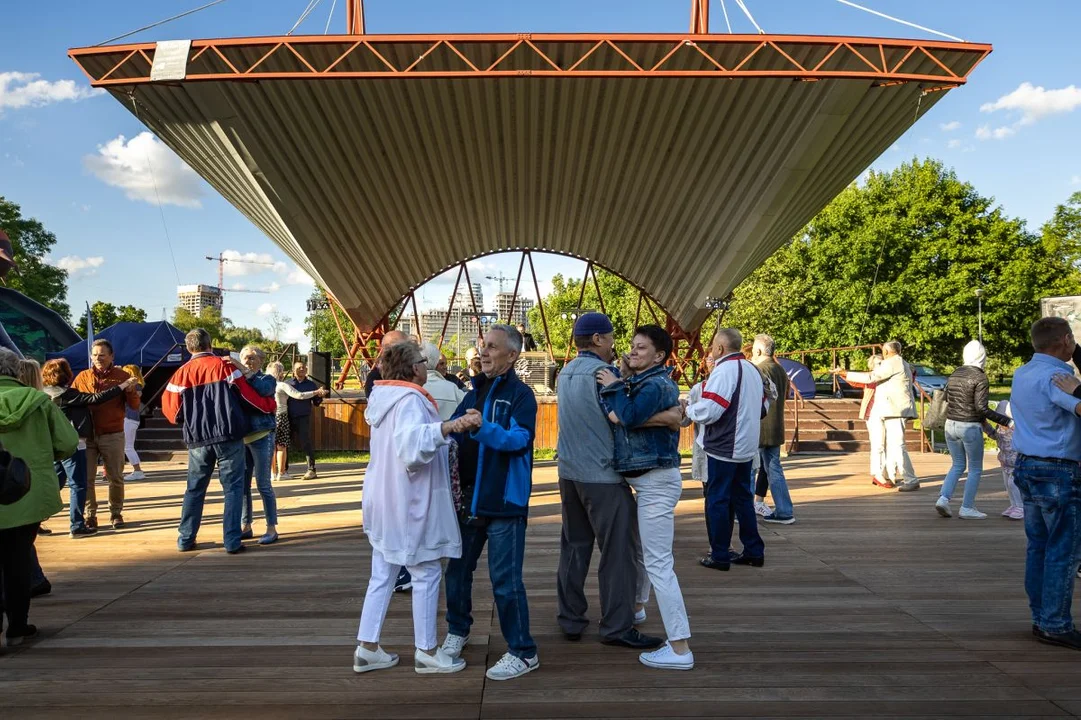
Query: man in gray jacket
point(597, 502)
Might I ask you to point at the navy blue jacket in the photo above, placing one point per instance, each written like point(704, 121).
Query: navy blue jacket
point(634, 401)
point(302, 408)
point(500, 454)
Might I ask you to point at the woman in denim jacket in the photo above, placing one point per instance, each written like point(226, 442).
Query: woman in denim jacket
point(648, 457)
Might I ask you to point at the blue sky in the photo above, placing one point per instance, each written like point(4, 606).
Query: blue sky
point(1013, 131)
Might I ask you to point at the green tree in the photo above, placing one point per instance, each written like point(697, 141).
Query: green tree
point(320, 328)
point(32, 243)
point(901, 257)
point(106, 314)
point(222, 330)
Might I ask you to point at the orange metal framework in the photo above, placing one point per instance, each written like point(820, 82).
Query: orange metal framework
point(884, 61)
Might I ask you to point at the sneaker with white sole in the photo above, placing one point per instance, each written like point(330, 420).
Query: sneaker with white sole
point(310, 475)
point(971, 514)
point(438, 664)
point(454, 644)
point(512, 666)
point(665, 658)
point(284, 476)
point(761, 507)
point(137, 475)
point(640, 616)
point(367, 660)
point(942, 507)
point(1014, 512)
point(773, 517)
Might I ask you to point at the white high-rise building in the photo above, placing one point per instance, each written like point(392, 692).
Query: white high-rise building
point(463, 301)
point(522, 306)
point(196, 298)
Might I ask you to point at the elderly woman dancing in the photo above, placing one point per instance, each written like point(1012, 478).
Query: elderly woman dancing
point(409, 516)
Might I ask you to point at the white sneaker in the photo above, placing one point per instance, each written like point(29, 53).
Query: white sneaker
point(368, 660)
point(942, 507)
point(640, 617)
point(971, 514)
point(761, 507)
point(454, 644)
point(137, 475)
point(284, 475)
point(665, 658)
point(438, 664)
point(510, 667)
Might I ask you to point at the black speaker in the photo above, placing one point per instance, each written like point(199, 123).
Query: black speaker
point(319, 368)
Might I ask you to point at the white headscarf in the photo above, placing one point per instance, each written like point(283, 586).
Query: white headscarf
point(975, 355)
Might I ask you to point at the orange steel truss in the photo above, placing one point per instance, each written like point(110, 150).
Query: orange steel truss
point(884, 61)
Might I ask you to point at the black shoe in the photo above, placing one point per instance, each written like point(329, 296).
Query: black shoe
point(185, 548)
point(83, 532)
point(709, 562)
point(118, 522)
point(237, 549)
point(42, 588)
point(1069, 639)
point(404, 582)
point(572, 637)
point(247, 534)
point(1035, 630)
point(909, 486)
point(743, 559)
point(16, 638)
point(42, 530)
point(635, 640)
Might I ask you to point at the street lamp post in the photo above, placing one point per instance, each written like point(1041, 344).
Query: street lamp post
point(979, 312)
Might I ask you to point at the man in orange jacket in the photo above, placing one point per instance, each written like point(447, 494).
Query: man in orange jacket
point(212, 400)
point(108, 440)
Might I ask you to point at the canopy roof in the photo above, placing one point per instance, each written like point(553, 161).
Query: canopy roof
point(680, 162)
point(143, 344)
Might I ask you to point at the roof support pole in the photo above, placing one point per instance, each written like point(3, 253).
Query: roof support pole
point(354, 17)
point(540, 304)
point(699, 17)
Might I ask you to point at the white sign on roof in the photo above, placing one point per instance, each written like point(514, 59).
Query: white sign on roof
point(170, 60)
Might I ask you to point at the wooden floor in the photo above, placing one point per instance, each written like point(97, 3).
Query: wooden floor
point(869, 606)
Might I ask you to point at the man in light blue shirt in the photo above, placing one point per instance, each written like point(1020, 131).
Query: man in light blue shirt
point(1047, 436)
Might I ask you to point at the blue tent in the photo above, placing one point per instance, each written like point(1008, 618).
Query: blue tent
point(142, 344)
point(799, 376)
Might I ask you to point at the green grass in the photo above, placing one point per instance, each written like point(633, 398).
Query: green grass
point(999, 392)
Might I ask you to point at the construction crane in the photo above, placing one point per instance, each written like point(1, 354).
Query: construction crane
point(221, 260)
point(500, 278)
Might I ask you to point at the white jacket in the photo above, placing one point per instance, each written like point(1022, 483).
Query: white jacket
point(408, 511)
point(731, 433)
point(447, 395)
point(893, 388)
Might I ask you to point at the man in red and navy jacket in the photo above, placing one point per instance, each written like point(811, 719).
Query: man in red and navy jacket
point(212, 398)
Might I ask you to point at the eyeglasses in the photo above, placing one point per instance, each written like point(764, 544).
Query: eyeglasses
point(422, 361)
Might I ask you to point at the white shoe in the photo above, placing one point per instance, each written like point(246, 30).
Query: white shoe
point(137, 475)
point(761, 507)
point(454, 644)
point(438, 664)
point(368, 660)
point(665, 658)
point(284, 476)
point(942, 507)
point(971, 514)
point(640, 617)
point(511, 666)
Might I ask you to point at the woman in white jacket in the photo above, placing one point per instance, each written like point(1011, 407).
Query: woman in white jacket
point(409, 515)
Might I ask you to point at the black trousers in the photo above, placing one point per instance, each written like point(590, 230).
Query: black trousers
point(302, 435)
point(761, 483)
point(16, 569)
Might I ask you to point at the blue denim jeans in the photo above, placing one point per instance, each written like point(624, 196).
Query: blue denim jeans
point(1051, 491)
point(506, 555)
point(229, 457)
point(729, 495)
point(73, 472)
point(778, 486)
point(965, 443)
point(257, 461)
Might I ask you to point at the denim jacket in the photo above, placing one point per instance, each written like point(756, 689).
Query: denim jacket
point(634, 401)
point(264, 385)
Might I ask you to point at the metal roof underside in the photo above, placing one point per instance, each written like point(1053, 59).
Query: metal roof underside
point(683, 185)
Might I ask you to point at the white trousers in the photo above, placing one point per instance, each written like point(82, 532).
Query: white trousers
point(130, 426)
point(1011, 487)
point(898, 463)
point(876, 431)
point(426, 581)
point(657, 493)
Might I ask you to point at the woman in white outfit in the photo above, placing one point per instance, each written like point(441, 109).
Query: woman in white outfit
point(409, 516)
point(131, 426)
point(283, 433)
point(876, 428)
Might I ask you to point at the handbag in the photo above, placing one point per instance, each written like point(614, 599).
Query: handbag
point(935, 419)
point(14, 478)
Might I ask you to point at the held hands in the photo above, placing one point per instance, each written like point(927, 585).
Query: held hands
point(127, 383)
point(839, 371)
point(472, 420)
point(322, 392)
point(606, 377)
point(1066, 383)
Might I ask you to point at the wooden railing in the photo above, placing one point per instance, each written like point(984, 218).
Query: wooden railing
point(833, 351)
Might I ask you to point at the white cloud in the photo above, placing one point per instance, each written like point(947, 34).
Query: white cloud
point(298, 277)
point(273, 287)
point(1075, 180)
point(950, 126)
point(238, 264)
point(146, 169)
point(986, 132)
point(953, 144)
point(1036, 102)
point(21, 90)
point(77, 266)
point(266, 309)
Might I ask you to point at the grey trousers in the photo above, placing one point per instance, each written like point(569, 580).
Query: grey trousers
point(605, 514)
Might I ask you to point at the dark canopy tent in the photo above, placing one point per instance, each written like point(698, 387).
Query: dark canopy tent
point(800, 376)
point(33, 328)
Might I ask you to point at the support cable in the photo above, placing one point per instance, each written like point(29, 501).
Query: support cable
point(161, 22)
point(898, 20)
point(330, 17)
point(312, 4)
point(750, 17)
point(726, 20)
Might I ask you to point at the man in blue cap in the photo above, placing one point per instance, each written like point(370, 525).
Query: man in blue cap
point(597, 502)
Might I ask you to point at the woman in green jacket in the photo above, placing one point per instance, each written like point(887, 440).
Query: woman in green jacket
point(34, 429)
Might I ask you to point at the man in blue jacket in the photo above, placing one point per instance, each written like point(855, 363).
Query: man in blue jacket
point(495, 464)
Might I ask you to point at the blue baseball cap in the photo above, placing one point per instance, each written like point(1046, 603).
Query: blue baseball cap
point(593, 323)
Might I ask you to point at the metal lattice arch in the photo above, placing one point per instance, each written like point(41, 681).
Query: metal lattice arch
point(679, 161)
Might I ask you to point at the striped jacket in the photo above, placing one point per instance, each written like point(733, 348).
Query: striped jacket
point(209, 395)
point(731, 409)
